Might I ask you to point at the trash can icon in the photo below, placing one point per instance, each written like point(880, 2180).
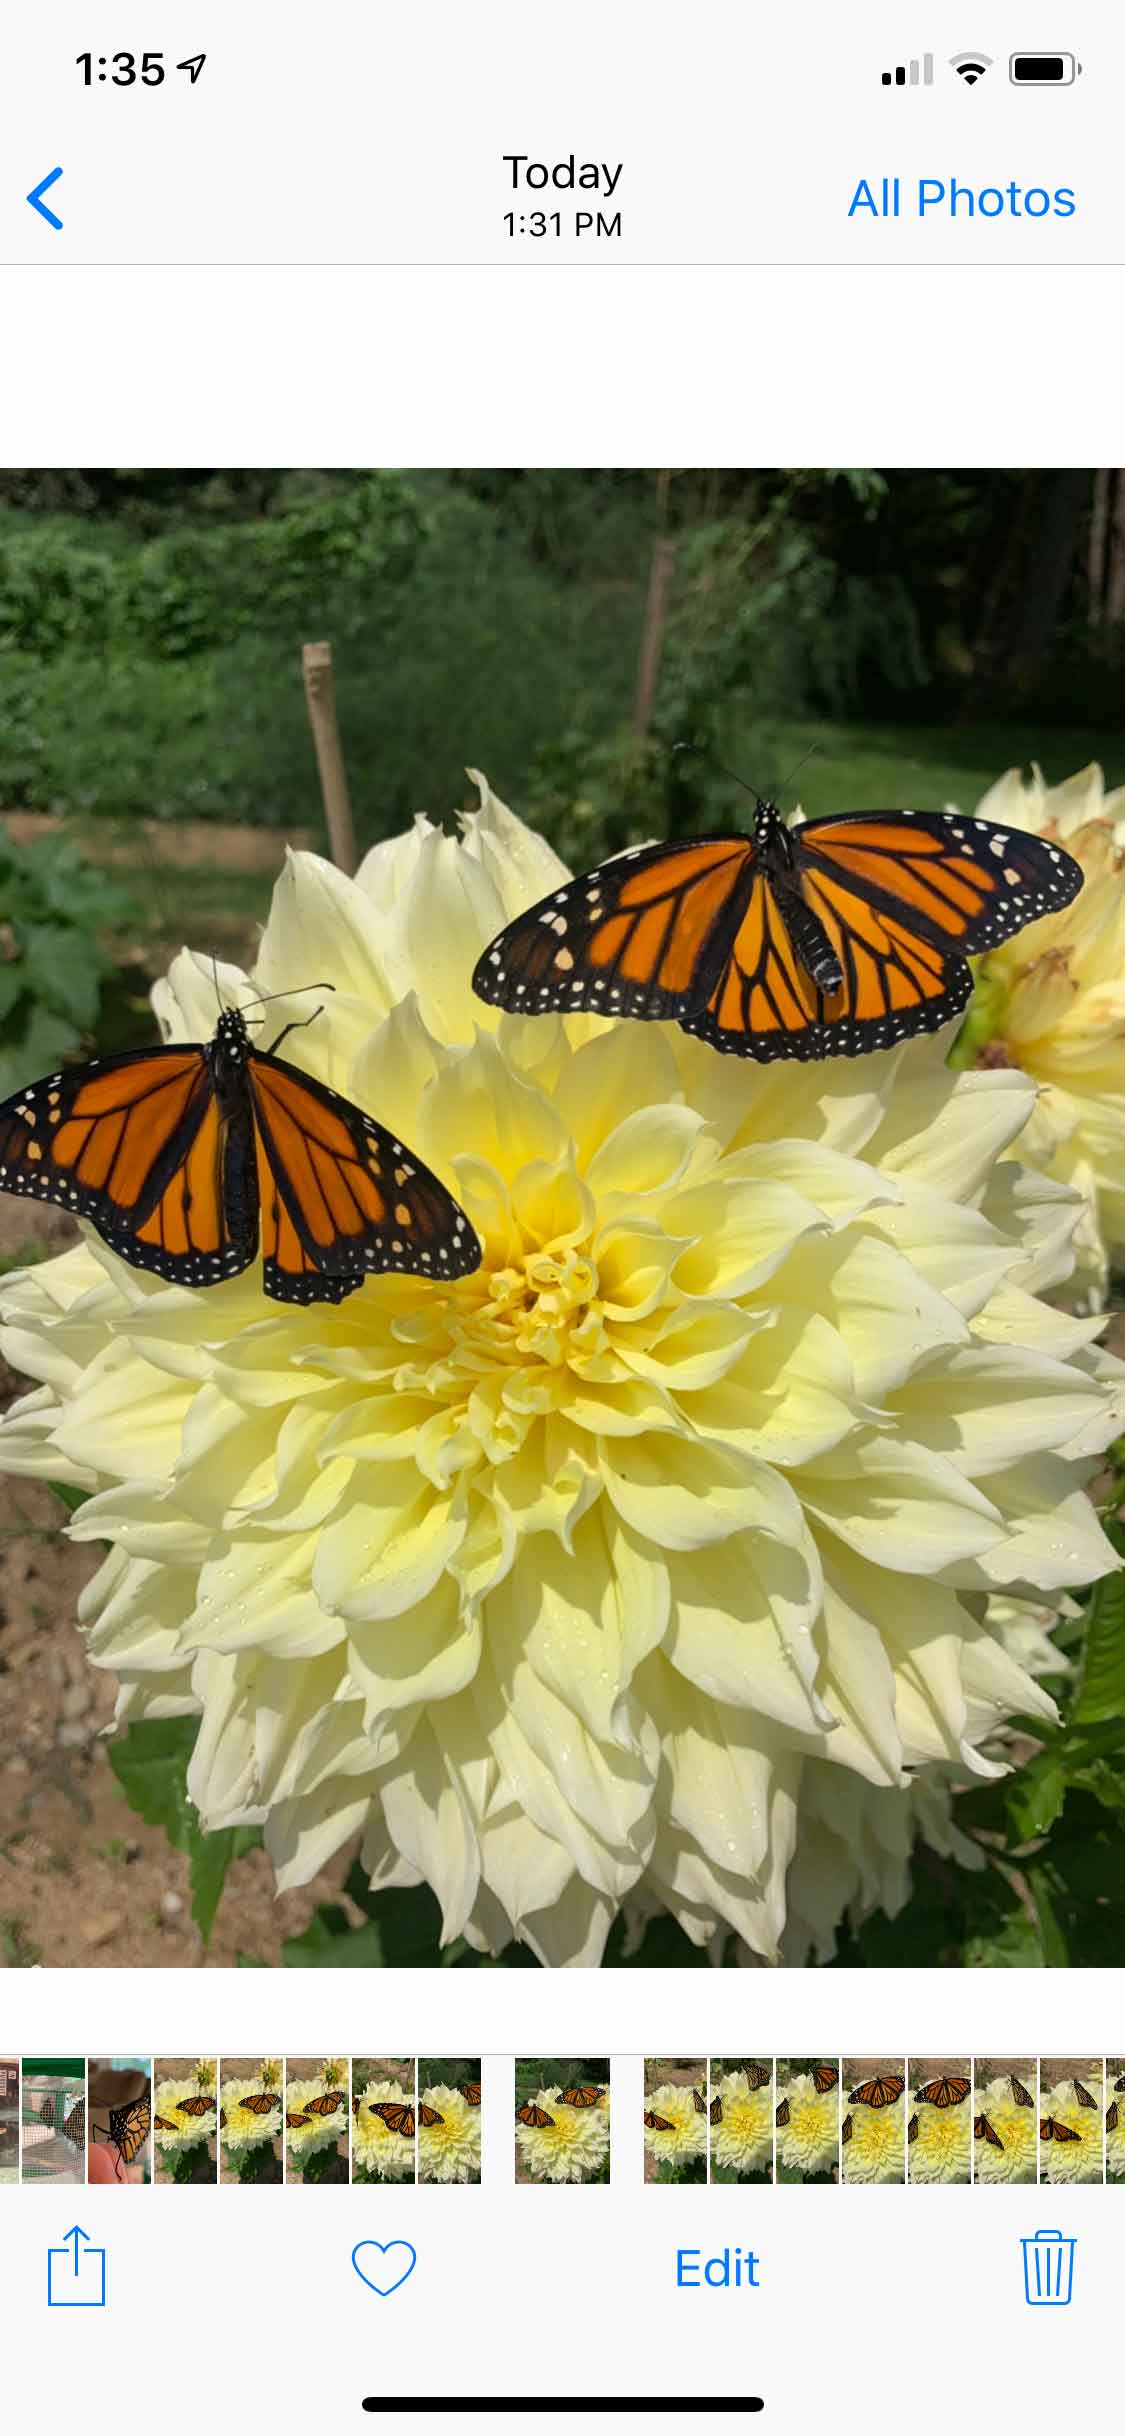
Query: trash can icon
point(1048, 2269)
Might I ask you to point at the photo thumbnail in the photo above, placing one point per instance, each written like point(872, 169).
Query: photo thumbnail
point(53, 2119)
point(317, 2144)
point(251, 2100)
point(939, 2119)
point(9, 2119)
point(1072, 2119)
point(185, 2118)
point(807, 2120)
point(1005, 2120)
point(675, 2119)
point(562, 2119)
point(740, 2117)
point(384, 2119)
point(119, 2120)
point(593, 1197)
point(449, 2118)
point(873, 2122)
point(1115, 2119)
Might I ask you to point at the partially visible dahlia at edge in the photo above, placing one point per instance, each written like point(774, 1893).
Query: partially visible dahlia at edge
point(650, 1565)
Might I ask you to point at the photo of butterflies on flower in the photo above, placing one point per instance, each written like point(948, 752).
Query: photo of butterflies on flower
point(384, 2119)
point(317, 2143)
point(740, 2119)
point(1005, 2120)
point(873, 2119)
point(562, 1399)
point(185, 2118)
point(675, 2119)
point(449, 2119)
point(251, 2105)
point(939, 2119)
point(562, 2119)
point(1072, 2111)
point(807, 2120)
point(1115, 2119)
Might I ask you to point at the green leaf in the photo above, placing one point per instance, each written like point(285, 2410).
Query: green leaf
point(63, 968)
point(1056, 1952)
point(1101, 1690)
point(1035, 1797)
point(331, 1943)
point(150, 1762)
point(70, 1497)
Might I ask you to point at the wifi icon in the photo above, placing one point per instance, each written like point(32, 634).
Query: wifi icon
point(970, 66)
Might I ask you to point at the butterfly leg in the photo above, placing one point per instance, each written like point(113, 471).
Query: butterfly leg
point(300, 1025)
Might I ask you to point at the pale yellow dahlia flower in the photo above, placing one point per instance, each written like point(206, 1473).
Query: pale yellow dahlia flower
point(875, 2149)
point(242, 2129)
point(188, 2130)
point(1053, 1001)
point(1080, 2159)
point(1115, 2136)
point(572, 2147)
point(321, 2131)
point(686, 2136)
point(808, 2141)
point(376, 2149)
point(448, 2151)
point(1016, 2127)
point(556, 1585)
point(941, 2150)
point(743, 2139)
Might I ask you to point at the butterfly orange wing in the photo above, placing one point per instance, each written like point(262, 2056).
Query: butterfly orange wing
point(340, 1197)
point(136, 1145)
point(951, 2091)
point(881, 2092)
point(635, 937)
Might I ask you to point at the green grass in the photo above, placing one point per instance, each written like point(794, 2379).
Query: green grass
point(855, 766)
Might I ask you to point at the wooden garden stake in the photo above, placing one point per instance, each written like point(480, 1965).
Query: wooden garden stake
point(320, 695)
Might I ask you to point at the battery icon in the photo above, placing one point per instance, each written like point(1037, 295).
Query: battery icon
point(1043, 67)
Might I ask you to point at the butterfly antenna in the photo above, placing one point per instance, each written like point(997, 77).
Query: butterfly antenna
point(798, 766)
point(705, 754)
point(274, 995)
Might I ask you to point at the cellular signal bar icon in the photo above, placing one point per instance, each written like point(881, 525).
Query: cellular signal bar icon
point(916, 72)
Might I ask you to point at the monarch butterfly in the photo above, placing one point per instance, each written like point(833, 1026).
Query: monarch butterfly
point(260, 2102)
point(1111, 2116)
point(470, 2091)
point(186, 1158)
point(161, 2123)
point(357, 2102)
point(982, 2130)
point(294, 2122)
point(397, 2118)
point(912, 2130)
point(944, 2092)
point(658, 2123)
point(845, 2131)
point(222, 2118)
point(1022, 2096)
point(716, 2113)
point(428, 2115)
point(194, 2106)
point(881, 2092)
point(825, 2077)
point(128, 2130)
point(1119, 2083)
point(74, 2127)
point(758, 2076)
point(587, 2095)
point(782, 2114)
point(326, 2103)
point(699, 2102)
point(1083, 2095)
point(539, 2121)
point(834, 937)
point(1049, 2129)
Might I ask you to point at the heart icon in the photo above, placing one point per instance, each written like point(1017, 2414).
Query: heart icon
point(381, 2278)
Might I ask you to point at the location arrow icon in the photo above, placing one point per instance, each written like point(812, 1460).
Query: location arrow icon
point(35, 199)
